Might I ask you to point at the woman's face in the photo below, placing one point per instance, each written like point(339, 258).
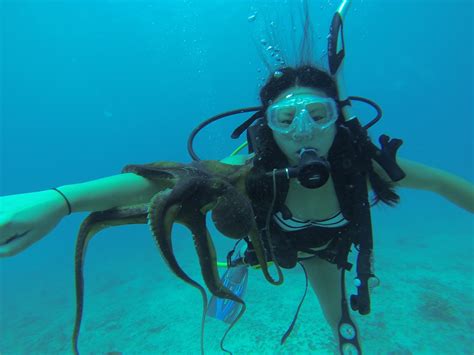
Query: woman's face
point(305, 107)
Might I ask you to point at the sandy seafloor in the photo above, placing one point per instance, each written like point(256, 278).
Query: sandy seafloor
point(135, 306)
point(66, 104)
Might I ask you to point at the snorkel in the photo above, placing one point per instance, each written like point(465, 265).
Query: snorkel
point(386, 156)
point(336, 54)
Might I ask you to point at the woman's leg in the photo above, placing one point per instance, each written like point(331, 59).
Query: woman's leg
point(325, 279)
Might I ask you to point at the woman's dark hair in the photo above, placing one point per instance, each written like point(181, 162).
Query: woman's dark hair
point(269, 156)
point(306, 76)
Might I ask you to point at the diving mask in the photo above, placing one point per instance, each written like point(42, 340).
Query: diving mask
point(302, 114)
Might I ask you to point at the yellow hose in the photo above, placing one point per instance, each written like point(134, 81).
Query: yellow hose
point(239, 148)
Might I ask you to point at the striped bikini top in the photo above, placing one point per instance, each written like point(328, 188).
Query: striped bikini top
point(308, 234)
point(292, 224)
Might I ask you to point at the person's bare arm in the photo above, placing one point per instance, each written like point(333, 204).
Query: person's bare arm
point(26, 218)
point(422, 177)
point(113, 191)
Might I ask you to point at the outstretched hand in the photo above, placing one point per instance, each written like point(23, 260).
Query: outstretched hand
point(26, 218)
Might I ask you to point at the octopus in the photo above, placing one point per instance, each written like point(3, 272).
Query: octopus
point(186, 193)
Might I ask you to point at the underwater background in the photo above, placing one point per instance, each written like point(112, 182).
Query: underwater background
point(90, 86)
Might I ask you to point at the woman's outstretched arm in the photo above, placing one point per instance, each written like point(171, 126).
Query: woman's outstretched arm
point(422, 177)
point(26, 218)
point(112, 191)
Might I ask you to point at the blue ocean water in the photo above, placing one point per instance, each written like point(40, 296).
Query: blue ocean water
point(88, 87)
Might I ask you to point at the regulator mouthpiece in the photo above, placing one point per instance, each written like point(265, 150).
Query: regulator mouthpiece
point(312, 170)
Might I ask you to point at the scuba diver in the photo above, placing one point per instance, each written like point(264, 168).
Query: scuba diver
point(312, 168)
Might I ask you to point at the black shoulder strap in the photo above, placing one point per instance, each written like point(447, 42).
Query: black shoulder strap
point(344, 165)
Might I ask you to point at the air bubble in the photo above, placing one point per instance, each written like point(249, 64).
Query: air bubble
point(252, 18)
point(277, 74)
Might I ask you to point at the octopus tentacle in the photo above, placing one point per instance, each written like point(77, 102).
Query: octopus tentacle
point(188, 204)
point(225, 223)
point(163, 170)
point(236, 176)
point(258, 246)
point(163, 212)
point(187, 193)
point(208, 262)
point(93, 224)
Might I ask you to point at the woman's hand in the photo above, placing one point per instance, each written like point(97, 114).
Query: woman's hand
point(26, 218)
